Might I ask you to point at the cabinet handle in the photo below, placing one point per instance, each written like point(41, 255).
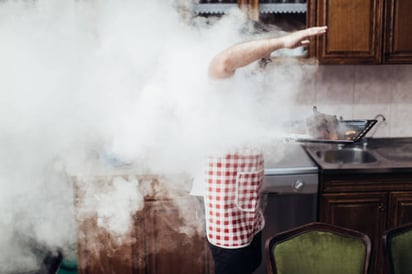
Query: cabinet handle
point(381, 206)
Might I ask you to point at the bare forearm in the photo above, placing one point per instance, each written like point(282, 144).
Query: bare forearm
point(225, 63)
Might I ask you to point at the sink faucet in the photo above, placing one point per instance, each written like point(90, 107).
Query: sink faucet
point(383, 120)
point(365, 143)
point(380, 116)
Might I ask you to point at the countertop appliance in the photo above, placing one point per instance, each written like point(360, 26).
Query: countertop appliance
point(290, 191)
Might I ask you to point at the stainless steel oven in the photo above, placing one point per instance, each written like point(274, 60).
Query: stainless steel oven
point(290, 192)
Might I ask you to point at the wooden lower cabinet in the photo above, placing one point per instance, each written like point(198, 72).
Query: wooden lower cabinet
point(99, 252)
point(166, 236)
point(400, 206)
point(370, 205)
point(172, 245)
point(360, 211)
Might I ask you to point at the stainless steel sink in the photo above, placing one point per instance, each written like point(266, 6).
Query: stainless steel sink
point(346, 156)
point(400, 153)
point(370, 155)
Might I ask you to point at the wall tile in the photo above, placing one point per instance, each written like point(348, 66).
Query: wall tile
point(373, 84)
point(334, 85)
point(401, 123)
point(307, 89)
point(402, 87)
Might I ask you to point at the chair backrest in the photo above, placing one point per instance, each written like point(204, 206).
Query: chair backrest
point(397, 248)
point(318, 248)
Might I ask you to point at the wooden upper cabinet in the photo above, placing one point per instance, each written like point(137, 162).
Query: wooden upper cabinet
point(354, 31)
point(362, 31)
point(359, 31)
point(398, 42)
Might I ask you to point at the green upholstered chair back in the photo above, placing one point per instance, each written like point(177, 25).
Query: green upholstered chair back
point(397, 246)
point(318, 248)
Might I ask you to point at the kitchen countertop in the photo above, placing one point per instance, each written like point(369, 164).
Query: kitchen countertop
point(288, 158)
point(393, 155)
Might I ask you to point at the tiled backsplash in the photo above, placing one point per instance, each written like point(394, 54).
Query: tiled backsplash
point(362, 92)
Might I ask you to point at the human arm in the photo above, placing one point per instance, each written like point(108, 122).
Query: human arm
point(224, 64)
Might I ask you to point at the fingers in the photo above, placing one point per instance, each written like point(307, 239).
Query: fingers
point(316, 30)
point(301, 37)
point(313, 31)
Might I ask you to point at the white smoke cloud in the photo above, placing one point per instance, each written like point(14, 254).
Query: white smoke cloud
point(82, 78)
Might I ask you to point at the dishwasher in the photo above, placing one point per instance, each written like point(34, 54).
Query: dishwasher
point(290, 192)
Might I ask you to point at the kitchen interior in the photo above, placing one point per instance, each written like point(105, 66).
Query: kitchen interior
point(364, 73)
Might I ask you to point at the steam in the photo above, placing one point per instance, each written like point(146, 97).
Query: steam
point(111, 202)
point(80, 80)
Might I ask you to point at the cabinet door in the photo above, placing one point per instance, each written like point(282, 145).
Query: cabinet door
point(354, 31)
point(100, 249)
point(172, 242)
point(398, 39)
point(101, 252)
point(365, 212)
point(400, 205)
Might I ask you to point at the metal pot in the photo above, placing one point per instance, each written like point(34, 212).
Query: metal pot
point(323, 127)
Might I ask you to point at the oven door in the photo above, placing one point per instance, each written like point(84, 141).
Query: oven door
point(288, 201)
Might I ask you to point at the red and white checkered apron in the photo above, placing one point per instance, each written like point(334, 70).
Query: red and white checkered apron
point(232, 201)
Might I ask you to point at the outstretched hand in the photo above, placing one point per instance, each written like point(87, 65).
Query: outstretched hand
point(301, 37)
point(225, 63)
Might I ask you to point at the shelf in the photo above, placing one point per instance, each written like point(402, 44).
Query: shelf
point(283, 8)
point(273, 8)
point(213, 8)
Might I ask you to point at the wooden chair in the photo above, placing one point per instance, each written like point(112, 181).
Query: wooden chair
point(397, 248)
point(318, 248)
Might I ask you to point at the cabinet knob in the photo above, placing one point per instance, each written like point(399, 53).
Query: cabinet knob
point(381, 206)
point(298, 185)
